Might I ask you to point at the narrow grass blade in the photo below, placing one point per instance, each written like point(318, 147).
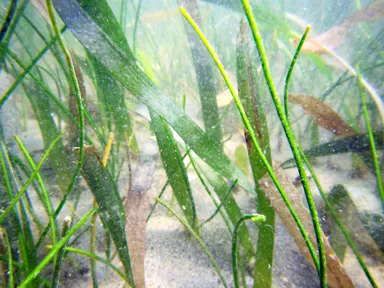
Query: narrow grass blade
point(25, 186)
point(201, 243)
point(175, 169)
point(326, 200)
point(4, 238)
point(60, 253)
point(75, 85)
point(111, 53)
point(254, 218)
point(29, 254)
point(204, 73)
point(56, 249)
point(230, 205)
point(111, 209)
point(21, 77)
point(254, 105)
point(99, 259)
point(218, 207)
point(375, 157)
point(47, 201)
point(11, 26)
point(226, 221)
point(13, 225)
point(8, 18)
point(292, 142)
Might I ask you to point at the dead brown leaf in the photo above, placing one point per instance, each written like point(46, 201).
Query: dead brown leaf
point(336, 275)
point(137, 210)
point(323, 115)
point(154, 17)
point(334, 37)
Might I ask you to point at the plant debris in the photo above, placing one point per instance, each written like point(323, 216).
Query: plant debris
point(323, 115)
point(334, 37)
point(337, 277)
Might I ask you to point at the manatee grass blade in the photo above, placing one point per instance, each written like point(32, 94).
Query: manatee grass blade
point(60, 254)
point(8, 18)
point(99, 259)
point(20, 78)
point(230, 205)
point(290, 70)
point(4, 238)
point(56, 249)
point(254, 218)
point(18, 224)
point(204, 73)
point(321, 191)
point(375, 157)
point(47, 201)
point(320, 265)
point(255, 141)
point(287, 128)
point(196, 236)
point(25, 186)
point(218, 207)
point(210, 194)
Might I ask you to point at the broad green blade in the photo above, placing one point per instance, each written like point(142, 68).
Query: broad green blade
point(111, 209)
point(102, 42)
point(204, 72)
point(253, 103)
point(357, 144)
point(59, 159)
point(175, 169)
point(113, 101)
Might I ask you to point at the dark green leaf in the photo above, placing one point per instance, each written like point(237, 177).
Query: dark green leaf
point(175, 169)
point(250, 96)
point(102, 42)
point(357, 144)
point(111, 208)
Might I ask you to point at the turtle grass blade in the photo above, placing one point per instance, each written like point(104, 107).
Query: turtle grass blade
point(59, 159)
point(205, 75)
point(175, 169)
point(247, 79)
point(114, 104)
point(111, 208)
point(99, 38)
point(358, 144)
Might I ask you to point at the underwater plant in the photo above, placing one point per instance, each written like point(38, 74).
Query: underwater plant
point(212, 113)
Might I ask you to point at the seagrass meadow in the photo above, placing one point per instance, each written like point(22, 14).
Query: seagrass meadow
point(186, 143)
